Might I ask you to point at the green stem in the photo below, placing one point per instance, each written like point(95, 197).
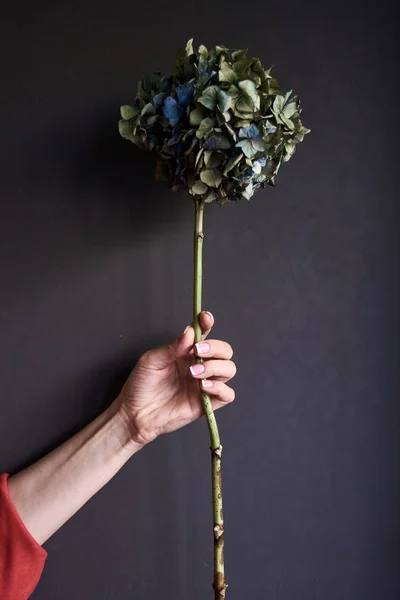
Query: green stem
point(216, 448)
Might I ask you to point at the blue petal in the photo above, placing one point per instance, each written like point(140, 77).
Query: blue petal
point(184, 93)
point(253, 132)
point(172, 110)
point(262, 161)
point(158, 99)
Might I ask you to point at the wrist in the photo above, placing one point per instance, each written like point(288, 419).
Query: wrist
point(122, 429)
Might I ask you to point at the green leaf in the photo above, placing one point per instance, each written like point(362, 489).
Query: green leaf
point(151, 120)
point(143, 96)
point(198, 188)
point(273, 86)
point(249, 90)
point(232, 162)
point(211, 196)
point(241, 66)
point(255, 79)
point(213, 97)
point(196, 116)
point(230, 130)
point(217, 141)
point(290, 109)
point(209, 97)
point(212, 177)
point(242, 123)
point(125, 130)
point(278, 104)
point(245, 98)
point(226, 73)
point(301, 131)
point(290, 149)
point(189, 48)
point(258, 145)
point(283, 109)
point(205, 127)
point(221, 50)
point(199, 159)
point(128, 112)
point(239, 54)
point(224, 101)
point(141, 135)
point(213, 159)
point(148, 110)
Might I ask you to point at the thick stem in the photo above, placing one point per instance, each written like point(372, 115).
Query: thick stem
point(216, 448)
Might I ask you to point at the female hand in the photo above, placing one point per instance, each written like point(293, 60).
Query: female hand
point(162, 393)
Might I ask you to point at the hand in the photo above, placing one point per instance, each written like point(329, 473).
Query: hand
point(162, 393)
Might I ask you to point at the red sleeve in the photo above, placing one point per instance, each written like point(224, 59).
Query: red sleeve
point(21, 557)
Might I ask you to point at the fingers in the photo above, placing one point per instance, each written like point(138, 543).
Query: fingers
point(220, 393)
point(181, 346)
point(206, 323)
point(213, 349)
point(222, 369)
point(160, 358)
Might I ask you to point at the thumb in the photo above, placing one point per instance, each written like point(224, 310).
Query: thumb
point(167, 354)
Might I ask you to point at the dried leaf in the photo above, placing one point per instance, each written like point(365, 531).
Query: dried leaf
point(128, 112)
point(199, 188)
point(196, 116)
point(189, 48)
point(212, 177)
point(232, 162)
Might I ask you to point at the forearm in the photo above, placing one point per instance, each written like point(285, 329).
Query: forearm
point(50, 491)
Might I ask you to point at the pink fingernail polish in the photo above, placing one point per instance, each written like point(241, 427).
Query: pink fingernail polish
point(197, 369)
point(202, 347)
point(210, 314)
point(206, 383)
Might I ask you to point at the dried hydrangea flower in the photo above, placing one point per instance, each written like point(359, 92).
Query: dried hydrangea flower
point(220, 124)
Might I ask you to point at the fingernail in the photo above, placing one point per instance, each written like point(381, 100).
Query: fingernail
point(210, 314)
point(202, 347)
point(197, 369)
point(206, 383)
point(184, 331)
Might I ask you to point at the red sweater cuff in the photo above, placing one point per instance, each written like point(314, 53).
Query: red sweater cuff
point(21, 557)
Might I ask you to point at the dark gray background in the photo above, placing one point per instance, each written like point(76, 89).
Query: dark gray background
point(96, 267)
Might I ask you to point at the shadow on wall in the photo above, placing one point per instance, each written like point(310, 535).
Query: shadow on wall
point(100, 384)
point(86, 195)
point(117, 170)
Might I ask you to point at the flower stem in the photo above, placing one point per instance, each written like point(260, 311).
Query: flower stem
point(216, 448)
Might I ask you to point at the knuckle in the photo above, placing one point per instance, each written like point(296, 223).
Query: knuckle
point(145, 358)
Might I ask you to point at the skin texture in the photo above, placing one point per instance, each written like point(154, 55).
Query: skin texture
point(160, 395)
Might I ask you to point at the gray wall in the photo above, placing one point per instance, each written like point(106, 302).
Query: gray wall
point(95, 268)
